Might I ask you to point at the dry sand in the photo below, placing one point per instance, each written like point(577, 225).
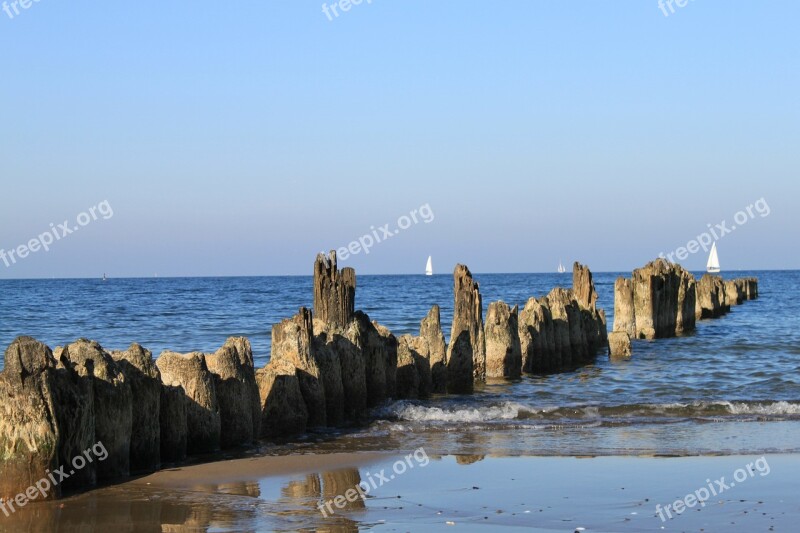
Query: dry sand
point(255, 468)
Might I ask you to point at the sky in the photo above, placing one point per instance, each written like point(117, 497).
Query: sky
point(242, 138)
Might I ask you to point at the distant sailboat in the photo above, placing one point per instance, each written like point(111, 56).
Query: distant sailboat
point(429, 267)
point(104, 277)
point(713, 260)
point(561, 268)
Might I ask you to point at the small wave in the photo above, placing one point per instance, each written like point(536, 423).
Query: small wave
point(420, 413)
point(765, 408)
point(504, 412)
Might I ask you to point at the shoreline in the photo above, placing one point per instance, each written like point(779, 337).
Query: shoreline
point(254, 468)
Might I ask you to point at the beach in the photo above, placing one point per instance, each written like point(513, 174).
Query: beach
point(449, 493)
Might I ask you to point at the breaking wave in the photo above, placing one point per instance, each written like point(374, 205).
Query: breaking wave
point(505, 412)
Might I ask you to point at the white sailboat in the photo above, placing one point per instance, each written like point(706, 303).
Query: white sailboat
point(429, 267)
point(713, 260)
point(561, 268)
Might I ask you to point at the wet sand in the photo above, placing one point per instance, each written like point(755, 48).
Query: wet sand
point(451, 493)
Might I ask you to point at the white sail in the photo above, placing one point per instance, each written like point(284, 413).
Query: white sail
point(713, 260)
point(561, 268)
point(429, 267)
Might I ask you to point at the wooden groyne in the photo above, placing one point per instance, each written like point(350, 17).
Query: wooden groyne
point(327, 369)
point(662, 300)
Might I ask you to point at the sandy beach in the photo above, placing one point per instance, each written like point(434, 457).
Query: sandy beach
point(461, 493)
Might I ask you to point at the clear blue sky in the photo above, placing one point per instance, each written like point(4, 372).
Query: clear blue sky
point(241, 138)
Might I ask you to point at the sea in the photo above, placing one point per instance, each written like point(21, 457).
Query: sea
point(732, 387)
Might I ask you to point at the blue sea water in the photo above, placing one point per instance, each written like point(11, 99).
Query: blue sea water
point(733, 386)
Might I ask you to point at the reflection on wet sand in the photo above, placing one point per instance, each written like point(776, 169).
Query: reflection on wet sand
point(305, 491)
point(338, 482)
point(238, 506)
point(129, 508)
point(305, 496)
point(236, 489)
point(469, 459)
point(223, 507)
point(615, 495)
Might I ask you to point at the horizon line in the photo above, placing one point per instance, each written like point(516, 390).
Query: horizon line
point(234, 276)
